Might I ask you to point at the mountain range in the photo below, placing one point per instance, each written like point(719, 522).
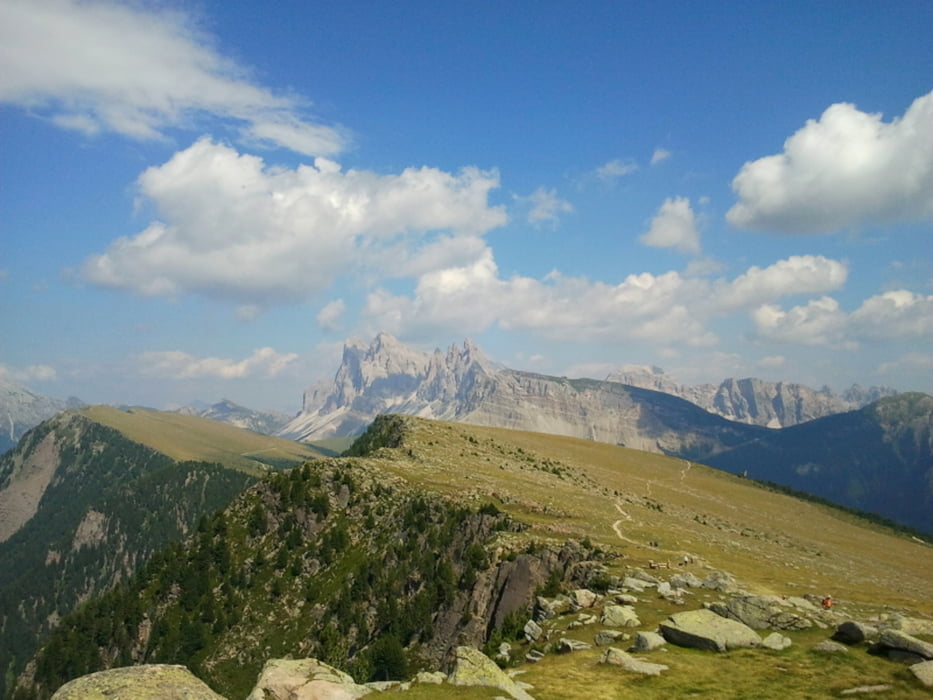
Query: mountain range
point(22, 409)
point(754, 401)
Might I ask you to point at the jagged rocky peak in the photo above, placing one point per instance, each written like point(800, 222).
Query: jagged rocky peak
point(386, 375)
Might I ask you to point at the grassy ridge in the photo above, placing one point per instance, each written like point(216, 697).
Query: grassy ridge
point(194, 438)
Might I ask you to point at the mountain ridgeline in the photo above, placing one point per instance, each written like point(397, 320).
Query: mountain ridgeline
point(463, 385)
point(22, 409)
point(82, 507)
point(335, 559)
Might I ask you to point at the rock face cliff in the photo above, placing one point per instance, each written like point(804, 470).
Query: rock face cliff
point(463, 385)
point(755, 401)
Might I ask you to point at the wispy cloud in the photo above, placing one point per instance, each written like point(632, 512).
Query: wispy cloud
point(102, 66)
point(174, 364)
point(660, 155)
point(615, 169)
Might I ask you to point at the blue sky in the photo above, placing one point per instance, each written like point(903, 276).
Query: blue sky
point(203, 200)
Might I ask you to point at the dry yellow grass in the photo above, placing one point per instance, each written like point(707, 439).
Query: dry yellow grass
point(194, 438)
point(625, 499)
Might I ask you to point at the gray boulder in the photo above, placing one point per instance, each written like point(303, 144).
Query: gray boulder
point(704, 629)
point(617, 657)
point(583, 598)
point(762, 612)
point(924, 673)
point(473, 667)
point(720, 581)
point(830, 647)
point(304, 679)
point(776, 641)
point(619, 616)
point(626, 599)
point(566, 645)
point(532, 631)
point(149, 682)
point(896, 639)
point(852, 632)
point(648, 641)
point(604, 638)
point(686, 580)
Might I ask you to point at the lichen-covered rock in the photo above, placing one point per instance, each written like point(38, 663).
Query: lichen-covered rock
point(830, 647)
point(896, 639)
point(648, 641)
point(583, 598)
point(473, 667)
point(704, 629)
point(304, 679)
point(604, 638)
point(532, 631)
point(617, 657)
point(151, 682)
point(776, 641)
point(619, 616)
point(762, 612)
point(686, 580)
point(924, 673)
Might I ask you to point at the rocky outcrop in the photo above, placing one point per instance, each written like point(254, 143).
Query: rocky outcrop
point(704, 629)
point(473, 667)
point(305, 679)
point(152, 682)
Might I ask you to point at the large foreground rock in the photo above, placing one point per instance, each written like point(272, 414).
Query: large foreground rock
point(304, 679)
point(152, 682)
point(763, 612)
point(896, 639)
point(704, 629)
point(473, 667)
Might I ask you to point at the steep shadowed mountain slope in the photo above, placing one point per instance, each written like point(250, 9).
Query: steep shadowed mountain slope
point(82, 506)
point(877, 459)
point(226, 411)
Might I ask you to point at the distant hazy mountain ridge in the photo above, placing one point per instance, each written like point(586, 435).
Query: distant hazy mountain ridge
point(226, 411)
point(755, 401)
point(22, 409)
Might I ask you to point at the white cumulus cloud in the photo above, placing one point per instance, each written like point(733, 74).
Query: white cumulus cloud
point(232, 227)
point(798, 274)
point(175, 364)
point(895, 316)
point(100, 65)
point(674, 226)
point(845, 169)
